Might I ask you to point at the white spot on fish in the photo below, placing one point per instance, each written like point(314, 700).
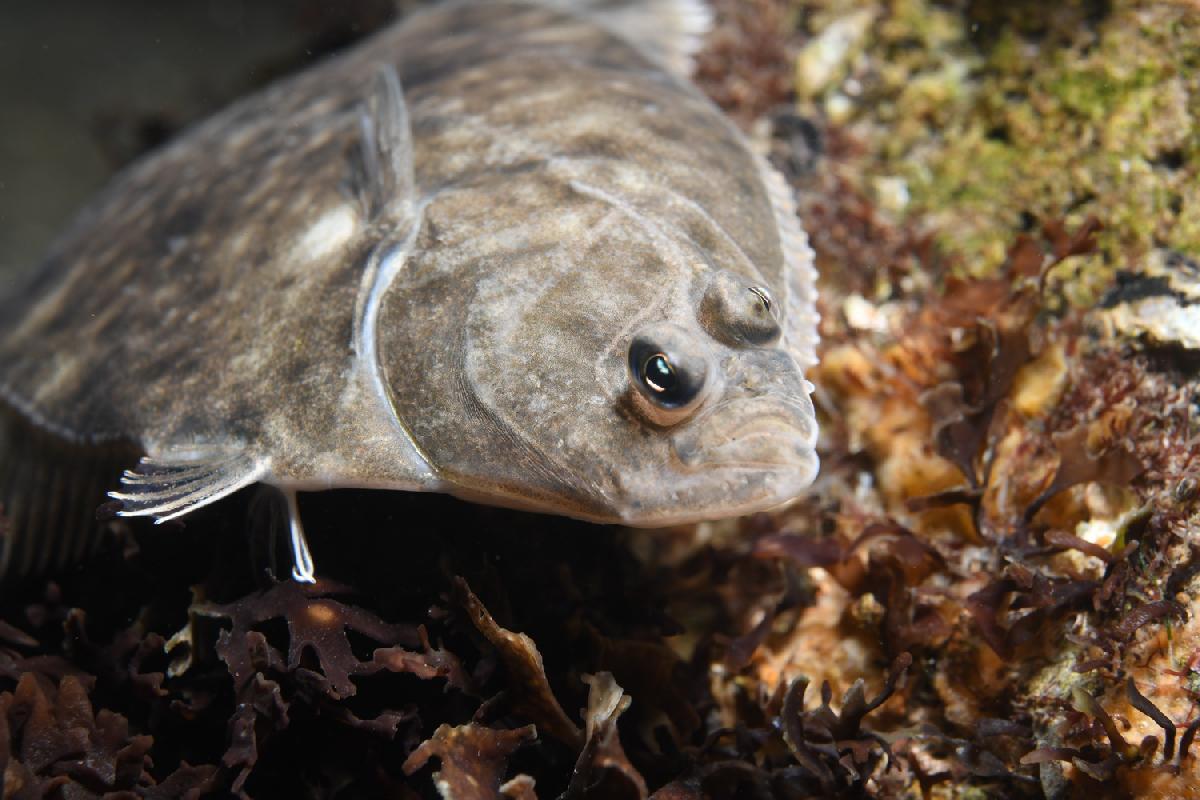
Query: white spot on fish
point(332, 230)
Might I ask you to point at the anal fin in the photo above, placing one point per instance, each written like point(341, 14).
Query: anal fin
point(50, 488)
point(170, 484)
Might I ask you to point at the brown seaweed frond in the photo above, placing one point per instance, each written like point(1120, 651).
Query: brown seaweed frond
point(52, 743)
point(318, 666)
point(1101, 762)
point(832, 746)
point(530, 695)
point(473, 758)
point(986, 329)
point(603, 770)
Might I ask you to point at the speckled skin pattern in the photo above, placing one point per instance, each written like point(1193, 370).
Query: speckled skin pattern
point(569, 192)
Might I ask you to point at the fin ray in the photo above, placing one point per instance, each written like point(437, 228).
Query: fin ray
point(669, 31)
point(167, 480)
point(50, 488)
point(800, 305)
point(165, 488)
point(387, 180)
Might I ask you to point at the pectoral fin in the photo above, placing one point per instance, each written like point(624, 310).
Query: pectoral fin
point(384, 176)
point(172, 483)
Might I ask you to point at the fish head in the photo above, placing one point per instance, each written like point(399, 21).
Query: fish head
point(614, 370)
point(724, 404)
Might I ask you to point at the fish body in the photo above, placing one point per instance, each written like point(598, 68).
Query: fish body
point(503, 250)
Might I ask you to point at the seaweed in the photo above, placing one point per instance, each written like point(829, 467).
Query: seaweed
point(530, 696)
point(1116, 465)
point(316, 623)
point(1102, 764)
point(603, 770)
point(54, 743)
point(473, 758)
point(996, 317)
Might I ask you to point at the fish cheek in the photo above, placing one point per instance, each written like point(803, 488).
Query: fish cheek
point(453, 413)
point(554, 369)
point(533, 336)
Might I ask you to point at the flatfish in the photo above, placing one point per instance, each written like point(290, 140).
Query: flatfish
point(503, 250)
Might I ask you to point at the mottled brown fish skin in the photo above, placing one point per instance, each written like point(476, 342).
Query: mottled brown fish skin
point(564, 269)
point(187, 305)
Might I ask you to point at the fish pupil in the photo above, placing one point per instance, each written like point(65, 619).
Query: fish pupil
point(659, 374)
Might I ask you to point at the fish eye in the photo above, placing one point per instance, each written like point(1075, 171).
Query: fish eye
point(669, 372)
point(765, 304)
point(659, 375)
point(738, 313)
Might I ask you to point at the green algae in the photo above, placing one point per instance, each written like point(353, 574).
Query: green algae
point(997, 116)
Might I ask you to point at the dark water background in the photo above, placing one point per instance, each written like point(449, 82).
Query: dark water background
point(88, 85)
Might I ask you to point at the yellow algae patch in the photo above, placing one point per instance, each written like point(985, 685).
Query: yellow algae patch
point(1040, 383)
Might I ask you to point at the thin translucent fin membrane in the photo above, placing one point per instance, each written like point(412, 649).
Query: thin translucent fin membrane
point(386, 172)
point(50, 489)
point(800, 329)
point(669, 31)
point(170, 485)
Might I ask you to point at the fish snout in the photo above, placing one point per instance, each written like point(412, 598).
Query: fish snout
point(777, 434)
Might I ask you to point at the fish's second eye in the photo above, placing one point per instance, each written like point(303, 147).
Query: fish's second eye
point(765, 305)
point(669, 371)
point(740, 315)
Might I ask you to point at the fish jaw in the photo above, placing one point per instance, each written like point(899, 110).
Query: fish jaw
point(743, 456)
point(759, 432)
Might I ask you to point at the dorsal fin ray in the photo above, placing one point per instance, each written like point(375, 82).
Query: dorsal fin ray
point(669, 31)
point(801, 316)
point(387, 182)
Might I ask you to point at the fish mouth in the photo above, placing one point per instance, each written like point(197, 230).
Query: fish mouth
point(767, 433)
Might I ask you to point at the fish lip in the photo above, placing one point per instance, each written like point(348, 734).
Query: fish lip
point(769, 433)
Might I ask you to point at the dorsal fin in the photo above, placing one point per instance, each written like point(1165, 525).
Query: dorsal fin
point(800, 331)
point(669, 31)
point(386, 182)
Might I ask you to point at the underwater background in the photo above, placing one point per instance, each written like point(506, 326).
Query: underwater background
point(990, 592)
